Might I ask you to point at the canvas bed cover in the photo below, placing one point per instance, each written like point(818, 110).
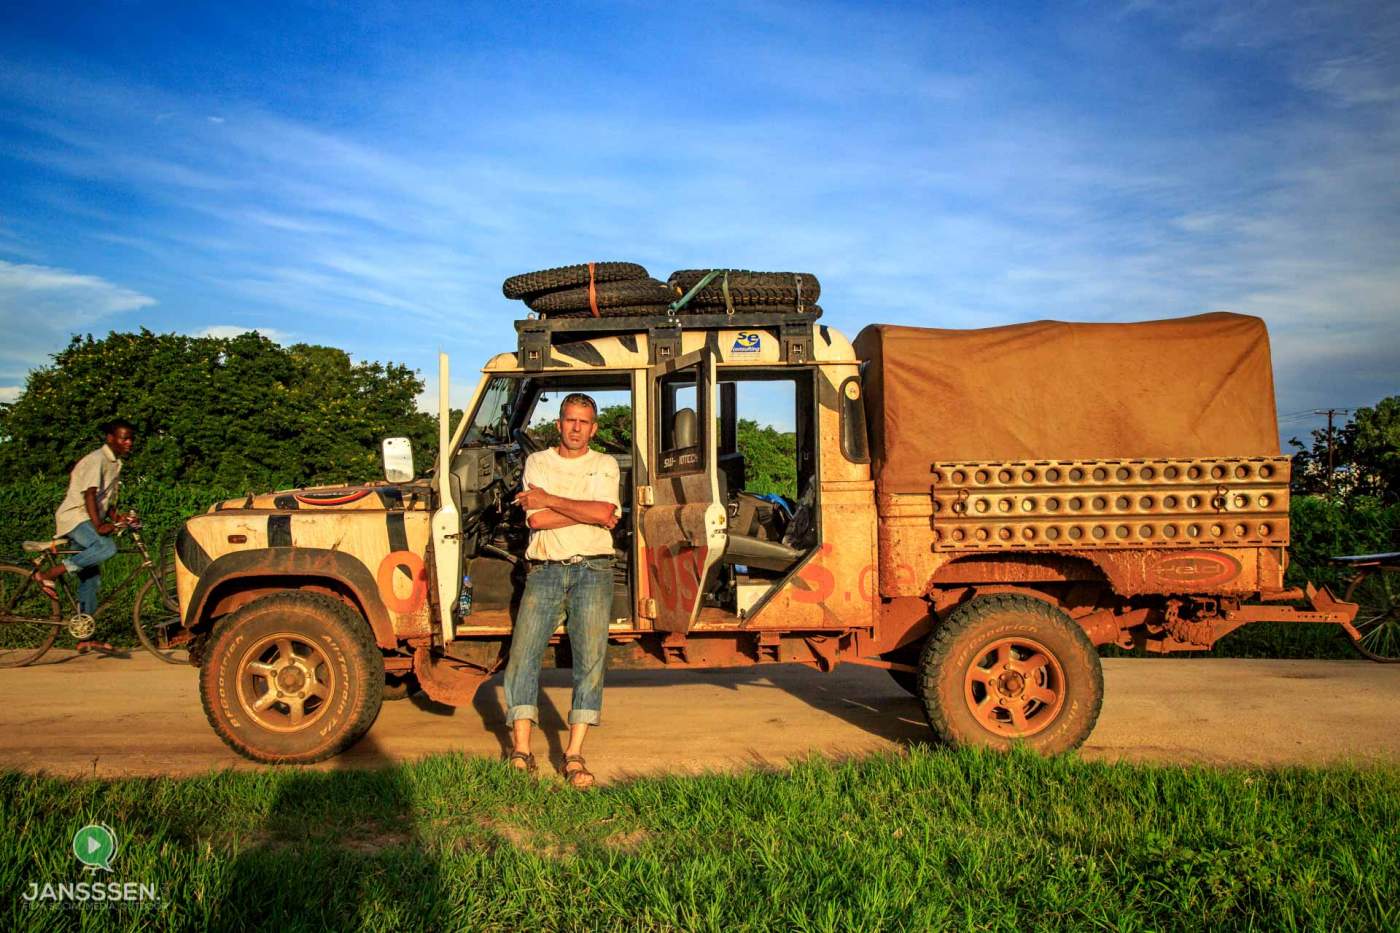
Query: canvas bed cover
point(1048, 390)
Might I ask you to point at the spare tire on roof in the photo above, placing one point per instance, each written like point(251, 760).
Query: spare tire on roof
point(605, 294)
point(748, 288)
point(547, 280)
point(620, 311)
point(693, 308)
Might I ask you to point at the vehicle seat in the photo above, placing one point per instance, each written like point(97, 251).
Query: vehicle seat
point(741, 549)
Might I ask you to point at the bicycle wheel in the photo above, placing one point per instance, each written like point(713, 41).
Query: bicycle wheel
point(1377, 591)
point(156, 617)
point(29, 619)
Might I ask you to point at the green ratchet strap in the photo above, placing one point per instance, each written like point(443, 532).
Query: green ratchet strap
point(706, 279)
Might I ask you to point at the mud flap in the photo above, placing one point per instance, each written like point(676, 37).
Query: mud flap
point(1341, 612)
point(447, 680)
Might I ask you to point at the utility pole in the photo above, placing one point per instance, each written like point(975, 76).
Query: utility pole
point(1330, 413)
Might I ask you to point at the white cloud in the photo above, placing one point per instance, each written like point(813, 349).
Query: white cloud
point(234, 330)
point(32, 290)
point(10, 393)
point(40, 306)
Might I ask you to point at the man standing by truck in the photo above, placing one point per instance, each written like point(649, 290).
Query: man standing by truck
point(571, 505)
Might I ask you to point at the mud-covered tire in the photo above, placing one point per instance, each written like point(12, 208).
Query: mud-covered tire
point(749, 288)
point(607, 295)
point(545, 280)
point(971, 688)
point(317, 650)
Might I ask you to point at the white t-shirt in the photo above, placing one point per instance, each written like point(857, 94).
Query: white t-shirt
point(592, 477)
point(99, 470)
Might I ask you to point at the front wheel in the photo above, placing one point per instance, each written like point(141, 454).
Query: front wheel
point(29, 619)
point(1009, 669)
point(292, 678)
point(156, 617)
point(1377, 623)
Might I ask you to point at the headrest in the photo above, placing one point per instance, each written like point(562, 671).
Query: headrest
point(683, 433)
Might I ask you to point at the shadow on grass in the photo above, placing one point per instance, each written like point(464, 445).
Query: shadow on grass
point(304, 868)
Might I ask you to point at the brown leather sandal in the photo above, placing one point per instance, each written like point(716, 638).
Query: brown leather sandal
point(527, 757)
point(579, 778)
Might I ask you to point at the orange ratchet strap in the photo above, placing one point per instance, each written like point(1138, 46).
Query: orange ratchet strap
point(592, 292)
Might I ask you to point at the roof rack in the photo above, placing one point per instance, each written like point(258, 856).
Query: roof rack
point(537, 335)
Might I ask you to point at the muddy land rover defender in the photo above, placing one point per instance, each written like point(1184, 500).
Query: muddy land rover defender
point(973, 511)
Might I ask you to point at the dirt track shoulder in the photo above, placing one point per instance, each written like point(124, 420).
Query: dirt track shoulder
point(113, 716)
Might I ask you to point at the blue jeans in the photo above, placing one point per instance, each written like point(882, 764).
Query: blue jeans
point(583, 592)
point(87, 563)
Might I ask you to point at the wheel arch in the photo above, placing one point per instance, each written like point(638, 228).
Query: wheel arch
point(236, 579)
point(1013, 568)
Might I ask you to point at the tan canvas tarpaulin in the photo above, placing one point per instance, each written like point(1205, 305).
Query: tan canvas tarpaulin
point(1191, 387)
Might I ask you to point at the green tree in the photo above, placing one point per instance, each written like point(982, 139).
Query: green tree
point(770, 458)
point(1365, 454)
point(238, 413)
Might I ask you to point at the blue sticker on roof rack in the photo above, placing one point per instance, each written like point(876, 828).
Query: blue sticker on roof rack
point(747, 342)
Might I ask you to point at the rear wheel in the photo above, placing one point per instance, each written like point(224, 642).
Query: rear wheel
point(1377, 622)
point(1009, 669)
point(292, 678)
point(29, 619)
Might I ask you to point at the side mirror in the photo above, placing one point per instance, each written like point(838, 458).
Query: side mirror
point(398, 460)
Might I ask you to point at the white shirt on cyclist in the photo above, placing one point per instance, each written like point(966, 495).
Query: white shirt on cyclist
point(100, 470)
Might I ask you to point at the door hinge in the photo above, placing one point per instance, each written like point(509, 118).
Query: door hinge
point(646, 495)
point(648, 608)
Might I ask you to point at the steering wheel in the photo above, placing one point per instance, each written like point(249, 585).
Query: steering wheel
point(800, 530)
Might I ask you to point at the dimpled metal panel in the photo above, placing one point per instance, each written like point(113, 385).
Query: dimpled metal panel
point(1076, 504)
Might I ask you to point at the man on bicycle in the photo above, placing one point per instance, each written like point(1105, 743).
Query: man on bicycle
point(87, 515)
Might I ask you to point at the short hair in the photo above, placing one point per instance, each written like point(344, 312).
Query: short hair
point(578, 398)
point(111, 427)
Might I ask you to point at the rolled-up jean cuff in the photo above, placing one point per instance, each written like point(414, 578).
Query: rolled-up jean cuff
point(585, 717)
point(531, 713)
point(72, 567)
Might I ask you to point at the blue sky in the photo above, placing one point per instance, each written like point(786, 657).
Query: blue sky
point(365, 175)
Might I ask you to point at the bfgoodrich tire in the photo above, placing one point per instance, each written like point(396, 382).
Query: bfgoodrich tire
point(548, 280)
point(1007, 669)
point(291, 678)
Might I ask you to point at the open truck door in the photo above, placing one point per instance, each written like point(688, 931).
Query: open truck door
point(683, 520)
point(447, 520)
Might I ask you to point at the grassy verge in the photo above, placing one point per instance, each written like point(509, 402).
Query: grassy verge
point(931, 839)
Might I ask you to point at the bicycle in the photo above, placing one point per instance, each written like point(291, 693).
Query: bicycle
point(1375, 588)
point(31, 620)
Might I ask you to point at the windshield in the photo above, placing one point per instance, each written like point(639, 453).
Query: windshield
point(491, 423)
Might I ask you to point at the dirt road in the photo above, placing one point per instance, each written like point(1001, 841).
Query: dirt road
point(113, 716)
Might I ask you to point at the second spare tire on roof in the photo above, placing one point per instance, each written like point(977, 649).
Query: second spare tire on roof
point(607, 295)
point(794, 289)
point(528, 284)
